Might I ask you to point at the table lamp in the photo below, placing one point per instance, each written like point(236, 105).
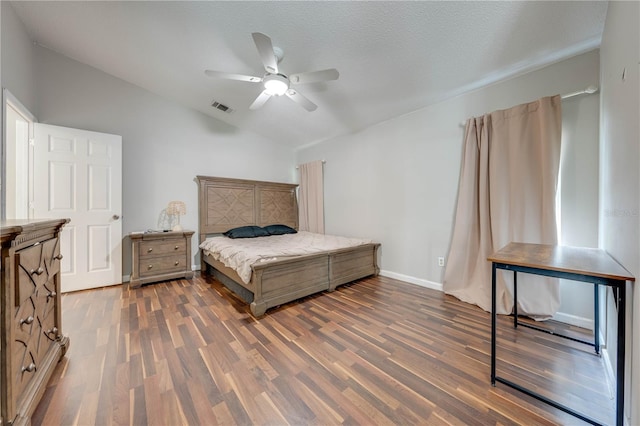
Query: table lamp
point(176, 208)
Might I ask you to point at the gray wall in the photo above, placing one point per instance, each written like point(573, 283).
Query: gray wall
point(620, 177)
point(397, 181)
point(18, 59)
point(579, 196)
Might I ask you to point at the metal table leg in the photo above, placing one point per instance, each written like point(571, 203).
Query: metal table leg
point(493, 324)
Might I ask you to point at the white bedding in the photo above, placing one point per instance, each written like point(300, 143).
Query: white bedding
point(240, 253)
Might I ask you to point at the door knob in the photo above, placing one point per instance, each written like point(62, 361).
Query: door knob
point(115, 217)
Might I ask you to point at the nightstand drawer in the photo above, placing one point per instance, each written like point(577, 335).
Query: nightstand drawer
point(159, 265)
point(159, 248)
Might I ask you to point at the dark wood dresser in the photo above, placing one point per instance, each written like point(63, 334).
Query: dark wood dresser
point(159, 256)
point(32, 342)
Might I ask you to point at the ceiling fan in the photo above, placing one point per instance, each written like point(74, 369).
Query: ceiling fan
point(276, 83)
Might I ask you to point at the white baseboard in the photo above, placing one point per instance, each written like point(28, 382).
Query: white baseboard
point(412, 280)
point(574, 320)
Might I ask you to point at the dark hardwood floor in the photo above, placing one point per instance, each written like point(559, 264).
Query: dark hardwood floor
point(378, 351)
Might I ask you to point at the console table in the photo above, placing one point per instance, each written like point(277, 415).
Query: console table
point(574, 263)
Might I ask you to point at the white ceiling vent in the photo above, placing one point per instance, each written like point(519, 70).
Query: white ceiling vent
point(222, 107)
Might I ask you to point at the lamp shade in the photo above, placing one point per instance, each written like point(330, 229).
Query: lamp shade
point(176, 208)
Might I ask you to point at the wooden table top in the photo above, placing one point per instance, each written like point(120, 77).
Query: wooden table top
point(13, 226)
point(579, 260)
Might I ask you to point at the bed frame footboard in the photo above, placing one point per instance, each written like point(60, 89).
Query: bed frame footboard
point(350, 264)
point(279, 282)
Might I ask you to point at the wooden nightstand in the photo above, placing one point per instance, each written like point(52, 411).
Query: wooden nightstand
point(159, 256)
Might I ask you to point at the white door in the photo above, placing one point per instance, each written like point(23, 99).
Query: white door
point(78, 174)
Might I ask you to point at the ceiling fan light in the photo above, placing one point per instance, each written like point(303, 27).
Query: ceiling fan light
point(276, 84)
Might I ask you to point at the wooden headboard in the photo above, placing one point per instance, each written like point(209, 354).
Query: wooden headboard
point(225, 203)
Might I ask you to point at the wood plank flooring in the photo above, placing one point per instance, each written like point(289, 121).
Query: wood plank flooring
point(378, 351)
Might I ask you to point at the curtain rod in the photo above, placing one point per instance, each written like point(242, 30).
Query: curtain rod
point(323, 161)
point(588, 91)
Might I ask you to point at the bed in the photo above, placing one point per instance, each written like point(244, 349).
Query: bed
point(225, 203)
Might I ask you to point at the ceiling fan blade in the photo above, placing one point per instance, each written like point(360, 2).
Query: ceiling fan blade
point(314, 76)
point(301, 100)
point(265, 49)
point(260, 100)
point(231, 76)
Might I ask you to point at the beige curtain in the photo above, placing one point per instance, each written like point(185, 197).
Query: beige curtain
point(311, 197)
point(507, 193)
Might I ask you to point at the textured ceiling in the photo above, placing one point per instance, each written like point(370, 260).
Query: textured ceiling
point(393, 57)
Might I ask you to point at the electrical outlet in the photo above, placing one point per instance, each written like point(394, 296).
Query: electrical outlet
point(441, 261)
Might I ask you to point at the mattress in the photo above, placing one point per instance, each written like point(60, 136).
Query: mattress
point(240, 253)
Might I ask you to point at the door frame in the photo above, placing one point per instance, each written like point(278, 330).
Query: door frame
point(8, 99)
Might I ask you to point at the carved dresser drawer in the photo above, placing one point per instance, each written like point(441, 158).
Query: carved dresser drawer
point(160, 256)
point(32, 341)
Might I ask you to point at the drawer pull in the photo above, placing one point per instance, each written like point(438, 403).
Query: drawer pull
point(54, 330)
point(176, 247)
point(177, 263)
point(29, 368)
point(38, 271)
point(27, 320)
point(150, 249)
point(59, 257)
point(51, 294)
point(150, 266)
